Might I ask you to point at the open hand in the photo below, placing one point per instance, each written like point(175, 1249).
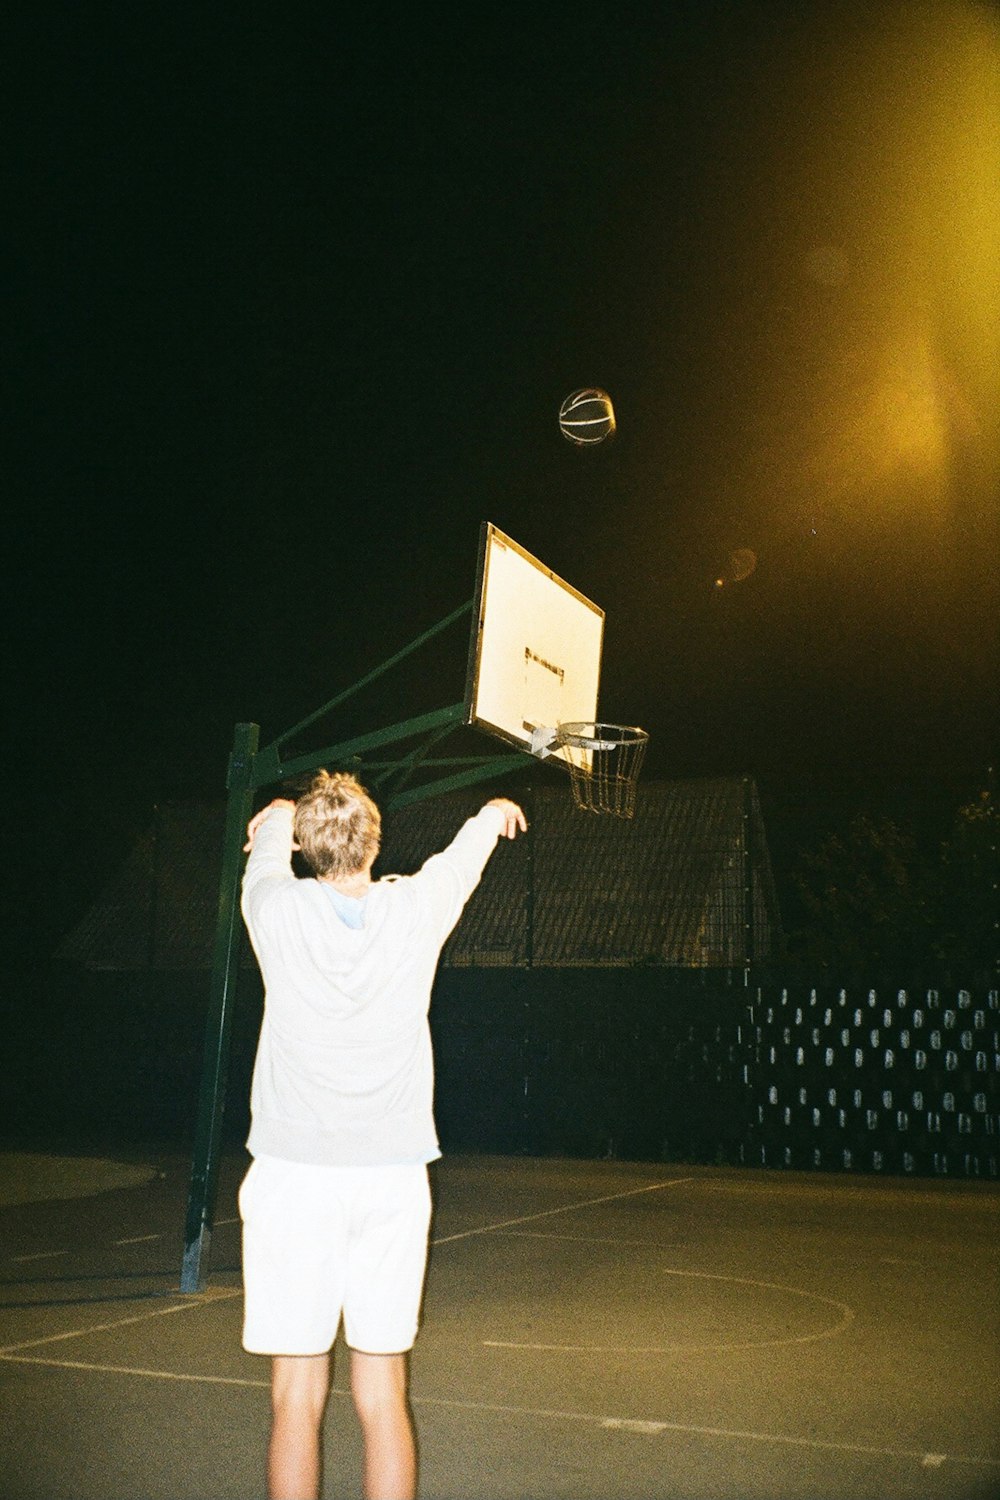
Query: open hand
point(515, 818)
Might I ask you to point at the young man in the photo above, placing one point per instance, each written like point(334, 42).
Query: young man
point(336, 1204)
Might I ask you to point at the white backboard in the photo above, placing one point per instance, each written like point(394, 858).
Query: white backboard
point(535, 652)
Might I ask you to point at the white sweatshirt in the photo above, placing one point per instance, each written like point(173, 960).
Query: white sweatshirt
point(344, 1072)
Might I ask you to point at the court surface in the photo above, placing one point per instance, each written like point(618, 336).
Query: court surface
point(591, 1329)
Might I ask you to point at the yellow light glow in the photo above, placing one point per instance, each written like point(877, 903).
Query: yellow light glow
point(878, 398)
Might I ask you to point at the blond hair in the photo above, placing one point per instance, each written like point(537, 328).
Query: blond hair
point(337, 826)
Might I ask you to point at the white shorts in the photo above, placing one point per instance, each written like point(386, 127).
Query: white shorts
point(322, 1241)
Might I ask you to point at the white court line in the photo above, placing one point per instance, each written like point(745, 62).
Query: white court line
point(81, 1364)
point(596, 1239)
point(845, 1320)
point(139, 1239)
point(639, 1425)
point(635, 1425)
point(158, 1312)
point(567, 1208)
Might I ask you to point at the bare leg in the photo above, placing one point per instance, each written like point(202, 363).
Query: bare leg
point(379, 1386)
point(300, 1385)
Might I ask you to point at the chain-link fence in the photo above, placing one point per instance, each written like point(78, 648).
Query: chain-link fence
point(875, 1080)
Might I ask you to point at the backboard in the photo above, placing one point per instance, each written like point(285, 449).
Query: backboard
point(535, 651)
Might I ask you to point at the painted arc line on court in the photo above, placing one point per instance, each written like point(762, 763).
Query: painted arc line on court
point(567, 1208)
point(638, 1425)
point(845, 1321)
point(200, 1300)
point(22, 1260)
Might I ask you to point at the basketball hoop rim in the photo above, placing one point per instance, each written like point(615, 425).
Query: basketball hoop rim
point(596, 735)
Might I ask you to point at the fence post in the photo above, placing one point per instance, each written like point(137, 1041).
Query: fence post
point(748, 877)
point(218, 1027)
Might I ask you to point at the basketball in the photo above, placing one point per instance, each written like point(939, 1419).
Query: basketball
point(587, 417)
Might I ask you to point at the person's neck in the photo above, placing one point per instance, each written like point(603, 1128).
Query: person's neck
point(349, 885)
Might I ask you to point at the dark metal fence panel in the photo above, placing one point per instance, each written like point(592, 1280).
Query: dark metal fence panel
point(653, 1064)
point(673, 1067)
point(636, 1064)
point(113, 1053)
point(876, 1080)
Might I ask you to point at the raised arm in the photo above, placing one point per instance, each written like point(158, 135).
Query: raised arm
point(270, 843)
point(449, 878)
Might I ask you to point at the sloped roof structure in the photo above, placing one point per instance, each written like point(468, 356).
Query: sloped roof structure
point(667, 888)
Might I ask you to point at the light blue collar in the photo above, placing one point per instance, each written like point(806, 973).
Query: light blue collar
point(350, 909)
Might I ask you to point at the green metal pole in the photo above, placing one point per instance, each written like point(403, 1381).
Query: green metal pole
point(218, 1027)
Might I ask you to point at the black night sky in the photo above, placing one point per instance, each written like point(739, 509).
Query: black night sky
point(297, 292)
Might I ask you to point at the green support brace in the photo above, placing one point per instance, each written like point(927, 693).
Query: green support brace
point(483, 770)
point(421, 640)
point(270, 768)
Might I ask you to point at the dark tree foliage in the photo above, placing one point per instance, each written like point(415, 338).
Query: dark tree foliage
point(969, 885)
point(877, 897)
